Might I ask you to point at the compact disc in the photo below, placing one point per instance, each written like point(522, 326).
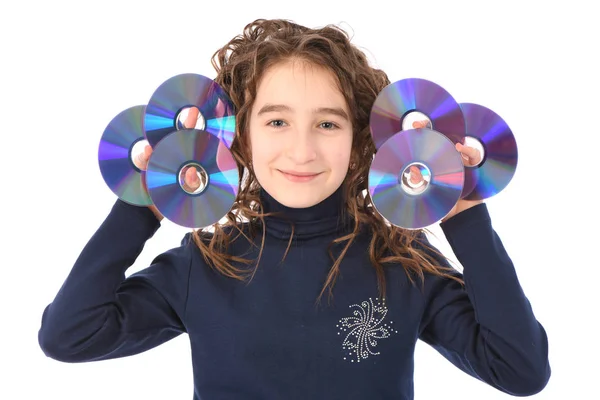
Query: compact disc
point(217, 171)
point(500, 155)
point(171, 101)
point(412, 99)
point(123, 134)
point(398, 198)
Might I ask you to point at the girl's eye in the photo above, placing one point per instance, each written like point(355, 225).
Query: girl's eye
point(328, 125)
point(276, 123)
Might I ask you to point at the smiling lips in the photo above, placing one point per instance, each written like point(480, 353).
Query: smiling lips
point(295, 176)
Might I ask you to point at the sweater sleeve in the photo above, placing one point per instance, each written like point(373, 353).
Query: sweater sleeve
point(98, 313)
point(487, 327)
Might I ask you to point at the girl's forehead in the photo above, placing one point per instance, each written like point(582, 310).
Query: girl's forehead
point(299, 87)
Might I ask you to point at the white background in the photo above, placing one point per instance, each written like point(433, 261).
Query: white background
point(69, 67)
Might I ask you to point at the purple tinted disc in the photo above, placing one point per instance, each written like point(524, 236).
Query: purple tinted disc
point(114, 157)
point(500, 156)
point(443, 167)
point(400, 98)
point(189, 90)
point(206, 151)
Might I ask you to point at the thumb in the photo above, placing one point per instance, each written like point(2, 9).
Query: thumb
point(192, 118)
point(191, 179)
point(469, 154)
point(419, 124)
point(415, 175)
point(147, 151)
point(141, 159)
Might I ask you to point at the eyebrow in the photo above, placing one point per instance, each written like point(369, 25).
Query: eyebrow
point(321, 110)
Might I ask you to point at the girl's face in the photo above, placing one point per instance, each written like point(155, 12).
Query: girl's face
point(300, 134)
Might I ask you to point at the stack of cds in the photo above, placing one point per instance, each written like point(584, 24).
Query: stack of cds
point(430, 153)
point(176, 147)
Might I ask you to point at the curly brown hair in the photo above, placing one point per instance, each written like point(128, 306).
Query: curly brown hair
point(240, 64)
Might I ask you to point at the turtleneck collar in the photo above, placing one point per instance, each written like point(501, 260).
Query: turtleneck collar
point(322, 219)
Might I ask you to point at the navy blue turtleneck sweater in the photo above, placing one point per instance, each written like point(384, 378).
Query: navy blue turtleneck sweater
point(267, 340)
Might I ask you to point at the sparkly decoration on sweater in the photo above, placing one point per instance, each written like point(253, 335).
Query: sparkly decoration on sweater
point(364, 329)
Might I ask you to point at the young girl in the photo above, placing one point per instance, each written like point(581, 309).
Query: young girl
point(313, 295)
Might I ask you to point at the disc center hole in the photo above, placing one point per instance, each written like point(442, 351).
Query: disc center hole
point(193, 186)
point(136, 151)
point(475, 143)
point(416, 119)
point(415, 178)
point(190, 118)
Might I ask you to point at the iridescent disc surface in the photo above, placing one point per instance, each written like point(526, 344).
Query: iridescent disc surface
point(400, 98)
point(189, 90)
point(170, 156)
point(444, 169)
point(500, 157)
point(114, 156)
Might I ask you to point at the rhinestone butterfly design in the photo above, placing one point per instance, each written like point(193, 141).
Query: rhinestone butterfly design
point(364, 329)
